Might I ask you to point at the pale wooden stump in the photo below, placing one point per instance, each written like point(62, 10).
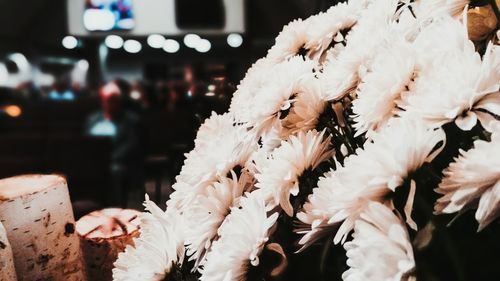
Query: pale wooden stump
point(103, 235)
point(36, 213)
point(7, 269)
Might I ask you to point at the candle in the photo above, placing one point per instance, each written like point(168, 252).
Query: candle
point(37, 215)
point(104, 234)
point(7, 269)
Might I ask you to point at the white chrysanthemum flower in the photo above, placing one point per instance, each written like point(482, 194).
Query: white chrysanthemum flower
point(156, 250)
point(389, 76)
point(459, 87)
point(280, 172)
point(473, 177)
point(441, 35)
point(328, 29)
point(381, 249)
point(214, 158)
point(206, 215)
point(216, 126)
point(277, 95)
point(383, 165)
point(307, 107)
point(254, 80)
point(269, 140)
point(313, 36)
point(341, 74)
point(290, 42)
point(243, 236)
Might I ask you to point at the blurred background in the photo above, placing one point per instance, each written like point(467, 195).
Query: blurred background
point(110, 93)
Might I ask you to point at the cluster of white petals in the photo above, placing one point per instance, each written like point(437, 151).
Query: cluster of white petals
point(474, 177)
point(379, 235)
point(393, 71)
point(381, 167)
point(457, 84)
point(249, 86)
point(314, 36)
point(283, 82)
point(325, 29)
point(279, 173)
point(242, 238)
point(218, 150)
point(209, 210)
point(290, 41)
point(159, 247)
point(341, 74)
point(305, 109)
point(389, 78)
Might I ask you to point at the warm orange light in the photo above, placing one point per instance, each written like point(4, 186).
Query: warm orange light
point(13, 110)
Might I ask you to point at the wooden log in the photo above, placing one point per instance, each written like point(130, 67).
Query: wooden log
point(103, 235)
point(36, 213)
point(7, 269)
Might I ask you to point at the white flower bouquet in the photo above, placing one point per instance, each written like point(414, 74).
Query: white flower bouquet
point(342, 152)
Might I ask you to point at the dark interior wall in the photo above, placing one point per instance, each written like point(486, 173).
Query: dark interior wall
point(42, 23)
point(36, 28)
point(29, 25)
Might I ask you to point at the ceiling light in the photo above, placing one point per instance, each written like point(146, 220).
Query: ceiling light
point(69, 42)
point(203, 46)
point(83, 64)
point(171, 46)
point(191, 40)
point(132, 46)
point(113, 41)
point(234, 40)
point(156, 41)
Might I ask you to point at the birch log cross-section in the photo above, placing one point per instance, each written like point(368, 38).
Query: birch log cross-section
point(37, 215)
point(7, 269)
point(104, 234)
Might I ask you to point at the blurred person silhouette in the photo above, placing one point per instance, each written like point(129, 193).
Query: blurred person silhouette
point(139, 96)
point(194, 89)
point(223, 92)
point(124, 128)
point(172, 97)
point(128, 90)
point(194, 77)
